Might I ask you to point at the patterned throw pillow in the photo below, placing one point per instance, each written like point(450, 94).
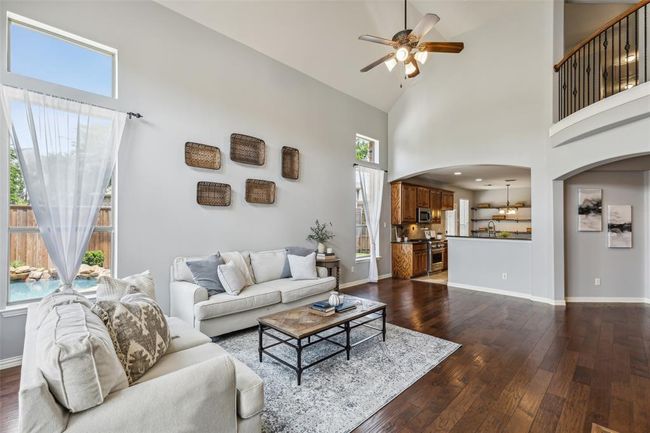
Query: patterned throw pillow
point(138, 329)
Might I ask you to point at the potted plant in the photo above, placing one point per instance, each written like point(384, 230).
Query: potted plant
point(321, 233)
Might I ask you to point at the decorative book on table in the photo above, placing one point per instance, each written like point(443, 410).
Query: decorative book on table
point(345, 306)
point(322, 308)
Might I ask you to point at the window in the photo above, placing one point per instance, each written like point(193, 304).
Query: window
point(39, 51)
point(366, 149)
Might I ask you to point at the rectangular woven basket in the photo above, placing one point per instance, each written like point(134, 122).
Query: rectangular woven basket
point(213, 194)
point(260, 191)
point(202, 156)
point(290, 163)
point(247, 149)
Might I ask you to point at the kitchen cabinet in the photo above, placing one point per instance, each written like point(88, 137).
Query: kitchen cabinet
point(436, 205)
point(409, 259)
point(423, 197)
point(403, 199)
point(447, 200)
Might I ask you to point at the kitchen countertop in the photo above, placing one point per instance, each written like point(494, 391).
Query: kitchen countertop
point(417, 241)
point(514, 238)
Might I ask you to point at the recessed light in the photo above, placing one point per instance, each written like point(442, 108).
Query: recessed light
point(479, 179)
point(457, 173)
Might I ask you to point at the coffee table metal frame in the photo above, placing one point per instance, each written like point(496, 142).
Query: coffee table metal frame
point(299, 346)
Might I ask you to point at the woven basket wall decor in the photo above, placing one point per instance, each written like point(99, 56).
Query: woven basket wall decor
point(260, 191)
point(202, 156)
point(290, 163)
point(247, 149)
point(213, 194)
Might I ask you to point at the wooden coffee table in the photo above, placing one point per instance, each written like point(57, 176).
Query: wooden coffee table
point(299, 324)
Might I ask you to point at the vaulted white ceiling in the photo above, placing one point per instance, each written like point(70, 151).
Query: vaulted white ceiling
point(320, 38)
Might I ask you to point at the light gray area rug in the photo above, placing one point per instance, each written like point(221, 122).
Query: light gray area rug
point(337, 395)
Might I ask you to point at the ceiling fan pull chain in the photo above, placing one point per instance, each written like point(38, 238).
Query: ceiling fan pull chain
point(404, 14)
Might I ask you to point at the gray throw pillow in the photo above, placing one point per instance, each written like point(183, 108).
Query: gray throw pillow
point(205, 274)
point(294, 251)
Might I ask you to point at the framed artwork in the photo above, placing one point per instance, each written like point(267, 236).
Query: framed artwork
point(590, 210)
point(619, 226)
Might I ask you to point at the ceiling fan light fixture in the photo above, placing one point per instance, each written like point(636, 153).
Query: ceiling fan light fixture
point(410, 68)
point(402, 53)
point(390, 63)
point(421, 56)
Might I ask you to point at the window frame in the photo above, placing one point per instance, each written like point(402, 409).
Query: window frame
point(375, 151)
point(8, 309)
point(374, 165)
point(67, 37)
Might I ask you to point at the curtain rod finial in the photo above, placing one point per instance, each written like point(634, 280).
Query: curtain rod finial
point(132, 114)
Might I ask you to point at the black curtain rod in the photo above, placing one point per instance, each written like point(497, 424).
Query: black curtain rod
point(130, 114)
point(360, 165)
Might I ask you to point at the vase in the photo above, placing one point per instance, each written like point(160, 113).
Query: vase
point(334, 299)
point(321, 247)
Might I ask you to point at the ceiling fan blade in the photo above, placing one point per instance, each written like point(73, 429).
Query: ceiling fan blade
point(378, 62)
point(441, 47)
point(378, 40)
point(425, 25)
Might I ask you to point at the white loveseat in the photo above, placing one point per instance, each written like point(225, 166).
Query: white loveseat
point(223, 313)
point(195, 387)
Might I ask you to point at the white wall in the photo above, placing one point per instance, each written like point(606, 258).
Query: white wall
point(193, 84)
point(582, 19)
point(622, 271)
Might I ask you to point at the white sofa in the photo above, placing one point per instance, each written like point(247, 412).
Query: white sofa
point(223, 313)
point(195, 387)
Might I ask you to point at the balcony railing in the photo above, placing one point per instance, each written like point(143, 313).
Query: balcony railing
point(612, 59)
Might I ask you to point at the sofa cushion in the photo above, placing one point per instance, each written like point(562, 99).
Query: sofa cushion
point(183, 336)
point(138, 329)
point(294, 251)
point(268, 265)
point(294, 290)
point(231, 278)
point(77, 358)
point(204, 272)
point(303, 268)
point(69, 296)
point(242, 261)
point(223, 304)
point(250, 387)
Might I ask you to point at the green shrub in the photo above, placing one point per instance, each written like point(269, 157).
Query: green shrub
point(16, 264)
point(93, 258)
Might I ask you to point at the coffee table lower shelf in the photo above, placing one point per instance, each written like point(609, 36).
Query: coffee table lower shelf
point(316, 337)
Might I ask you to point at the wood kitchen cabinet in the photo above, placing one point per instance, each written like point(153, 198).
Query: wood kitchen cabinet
point(447, 200)
point(409, 259)
point(423, 197)
point(403, 206)
point(436, 205)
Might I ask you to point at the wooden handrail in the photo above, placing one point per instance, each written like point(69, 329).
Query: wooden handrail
point(598, 31)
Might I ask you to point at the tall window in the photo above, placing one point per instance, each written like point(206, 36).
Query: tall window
point(42, 52)
point(39, 51)
point(366, 150)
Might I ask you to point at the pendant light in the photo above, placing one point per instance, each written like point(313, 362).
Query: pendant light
point(508, 210)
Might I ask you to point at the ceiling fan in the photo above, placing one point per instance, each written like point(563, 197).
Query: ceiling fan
point(407, 46)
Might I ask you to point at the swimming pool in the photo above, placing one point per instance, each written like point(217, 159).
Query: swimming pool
point(21, 291)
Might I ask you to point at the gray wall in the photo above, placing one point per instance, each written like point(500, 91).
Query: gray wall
point(622, 271)
point(193, 84)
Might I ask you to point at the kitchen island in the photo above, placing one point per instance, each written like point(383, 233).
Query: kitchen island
point(494, 265)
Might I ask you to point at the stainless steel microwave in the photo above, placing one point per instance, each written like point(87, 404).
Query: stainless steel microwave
point(424, 215)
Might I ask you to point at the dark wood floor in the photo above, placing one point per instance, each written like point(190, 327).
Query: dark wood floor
point(524, 366)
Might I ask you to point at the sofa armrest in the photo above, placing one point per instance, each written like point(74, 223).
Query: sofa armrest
point(182, 297)
point(198, 398)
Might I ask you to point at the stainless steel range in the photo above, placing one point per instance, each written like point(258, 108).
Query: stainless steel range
point(436, 256)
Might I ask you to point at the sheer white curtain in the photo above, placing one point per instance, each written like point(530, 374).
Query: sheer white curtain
point(372, 190)
point(67, 151)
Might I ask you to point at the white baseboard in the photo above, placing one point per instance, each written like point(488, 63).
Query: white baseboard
point(364, 281)
point(609, 300)
point(506, 293)
point(14, 361)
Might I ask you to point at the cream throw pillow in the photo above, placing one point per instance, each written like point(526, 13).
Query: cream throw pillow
point(109, 288)
point(303, 268)
point(240, 260)
point(77, 358)
point(138, 329)
point(268, 265)
point(231, 278)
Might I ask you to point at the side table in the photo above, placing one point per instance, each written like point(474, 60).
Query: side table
point(331, 265)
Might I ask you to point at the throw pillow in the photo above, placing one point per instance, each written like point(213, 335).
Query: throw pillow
point(268, 265)
point(138, 330)
point(109, 288)
point(294, 251)
point(77, 358)
point(205, 273)
point(303, 268)
point(240, 259)
point(231, 278)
